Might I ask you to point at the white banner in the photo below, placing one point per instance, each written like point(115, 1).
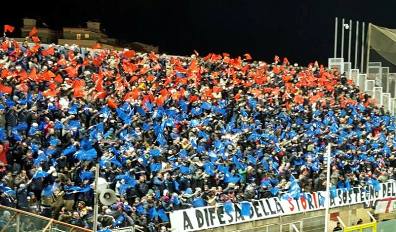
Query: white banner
point(193, 219)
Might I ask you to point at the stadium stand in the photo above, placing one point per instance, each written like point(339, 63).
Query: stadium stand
point(172, 133)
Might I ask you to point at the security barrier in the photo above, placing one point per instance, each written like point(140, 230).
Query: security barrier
point(20, 221)
point(367, 227)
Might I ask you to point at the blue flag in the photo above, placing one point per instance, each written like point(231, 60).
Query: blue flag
point(231, 179)
point(333, 192)
point(69, 150)
point(40, 174)
point(140, 209)
point(87, 155)
point(162, 215)
point(119, 220)
point(294, 189)
point(74, 124)
point(155, 167)
point(86, 175)
point(73, 109)
point(198, 202)
point(155, 152)
point(228, 207)
point(54, 141)
point(209, 168)
point(153, 213)
point(274, 191)
point(3, 135)
point(376, 184)
point(245, 209)
point(48, 190)
point(185, 170)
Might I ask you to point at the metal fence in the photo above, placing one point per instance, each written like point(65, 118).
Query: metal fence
point(14, 220)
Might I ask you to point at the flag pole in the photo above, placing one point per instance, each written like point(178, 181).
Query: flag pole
point(327, 215)
point(335, 37)
point(342, 38)
point(95, 216)
point(349, 40)
point(356, 44)
point(362, 51)
point(368, 46)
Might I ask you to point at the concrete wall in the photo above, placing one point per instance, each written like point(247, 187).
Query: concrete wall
point(86, 43)
point(71, 33)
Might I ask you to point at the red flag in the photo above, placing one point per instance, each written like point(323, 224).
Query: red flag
point(36, 39)
point(48, 52)
point(78, 87)
point(71, 71)
point(58, 78)
point(8, 28)
point(5, 89)
point(23, 87)
point(129, 54)
point(97, 46)
point(50, 93)
point(47, 76)
point(100, 95)
point(33, 32)
point(248, 56)
point(153, 56)
point(112, 103)
point(150, 78)
point(237, 96)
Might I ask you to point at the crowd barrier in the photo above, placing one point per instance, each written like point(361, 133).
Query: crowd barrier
point(14, 220)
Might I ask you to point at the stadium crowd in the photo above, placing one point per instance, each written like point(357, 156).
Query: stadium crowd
point(176, 132)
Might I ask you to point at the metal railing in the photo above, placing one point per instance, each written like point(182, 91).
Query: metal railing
point(15, 220)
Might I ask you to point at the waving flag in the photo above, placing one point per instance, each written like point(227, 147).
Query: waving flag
point(33, 32)
point(198, 202)
point(8, 28)
point(164, 217)
point(40, 174)
point(86, 155)
point(155, 152)
point(153, 213)
point(86, 175)
point(228, 207)
point(245, 209)
point(48, 190)
point(69, 150)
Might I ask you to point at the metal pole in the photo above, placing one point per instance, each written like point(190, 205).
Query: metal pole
point(18, 223)
point(335, 37)
point(362, 52)
point(327, 216)
point(356, 44)
point(95, 217)
point(294, 227)
point(368, 45)
point(342, 38)
point(349, 40)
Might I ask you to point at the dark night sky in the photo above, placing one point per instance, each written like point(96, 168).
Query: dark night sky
point(302, 30)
